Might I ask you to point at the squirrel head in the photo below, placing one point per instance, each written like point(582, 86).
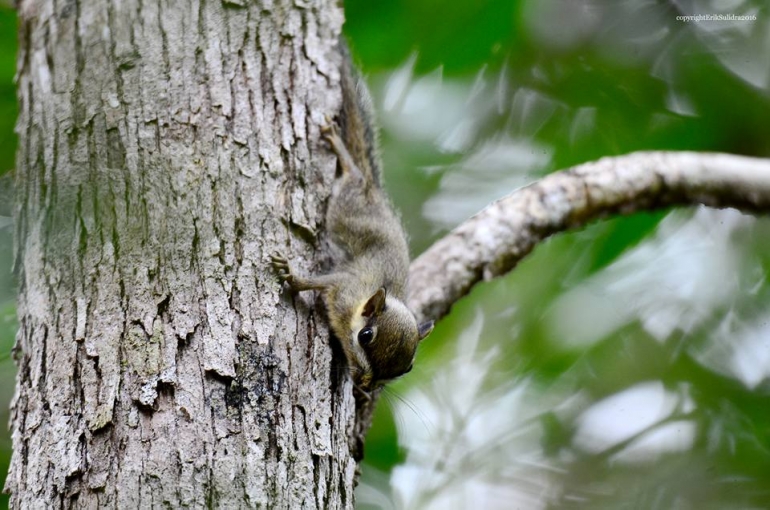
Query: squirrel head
point(385, 335)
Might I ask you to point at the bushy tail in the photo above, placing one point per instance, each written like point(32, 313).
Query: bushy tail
point(357, 120)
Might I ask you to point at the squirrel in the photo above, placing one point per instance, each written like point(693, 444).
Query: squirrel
point(365, 292)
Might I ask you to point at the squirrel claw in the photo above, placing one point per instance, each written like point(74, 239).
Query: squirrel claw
point(328, 123)
point(329, 131)
point(281, 265)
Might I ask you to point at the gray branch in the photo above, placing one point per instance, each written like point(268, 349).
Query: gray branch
point(493, 241)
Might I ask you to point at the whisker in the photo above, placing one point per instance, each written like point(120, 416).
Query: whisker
point(391, 393)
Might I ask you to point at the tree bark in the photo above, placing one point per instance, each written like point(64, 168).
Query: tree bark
point(166, 149)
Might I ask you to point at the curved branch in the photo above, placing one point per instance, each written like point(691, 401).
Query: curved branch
point(493, 241)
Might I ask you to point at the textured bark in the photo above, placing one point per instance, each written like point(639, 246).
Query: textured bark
point(165, 151)
point(493, 241)
point(166, 148)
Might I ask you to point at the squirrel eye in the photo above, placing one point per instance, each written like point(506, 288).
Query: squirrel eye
point(365, 336)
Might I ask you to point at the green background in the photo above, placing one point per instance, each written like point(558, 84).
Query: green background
point(539, 86)
point(8, 112)
point(646, 81)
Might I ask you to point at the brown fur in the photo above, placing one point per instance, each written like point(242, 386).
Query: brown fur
point(362, 222)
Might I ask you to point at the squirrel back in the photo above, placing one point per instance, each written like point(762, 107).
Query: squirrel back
point(365, 292)
point(360, 217)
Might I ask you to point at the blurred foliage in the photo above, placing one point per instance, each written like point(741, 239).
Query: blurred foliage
point(622, 366)
point(8, 112)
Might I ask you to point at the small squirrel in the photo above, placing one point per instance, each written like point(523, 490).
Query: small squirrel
point(365, 292)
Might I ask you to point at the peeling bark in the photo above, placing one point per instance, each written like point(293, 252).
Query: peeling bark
point(165, 150)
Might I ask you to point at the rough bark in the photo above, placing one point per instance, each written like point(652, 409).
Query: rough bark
point(493, 241)
point(166, 148)
point(165, 151)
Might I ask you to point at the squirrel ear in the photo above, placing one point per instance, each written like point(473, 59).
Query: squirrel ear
point(424, 329)
point(375, 304)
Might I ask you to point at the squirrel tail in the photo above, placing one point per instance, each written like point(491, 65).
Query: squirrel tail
point(357, 119)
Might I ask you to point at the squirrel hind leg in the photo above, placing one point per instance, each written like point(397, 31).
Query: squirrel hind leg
point(347, 163)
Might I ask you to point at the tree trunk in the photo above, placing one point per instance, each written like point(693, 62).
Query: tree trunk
point(166, 149)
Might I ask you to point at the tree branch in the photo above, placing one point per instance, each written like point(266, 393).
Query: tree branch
point(493, 241)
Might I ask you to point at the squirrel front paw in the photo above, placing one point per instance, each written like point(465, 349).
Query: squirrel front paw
point(282, 266)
